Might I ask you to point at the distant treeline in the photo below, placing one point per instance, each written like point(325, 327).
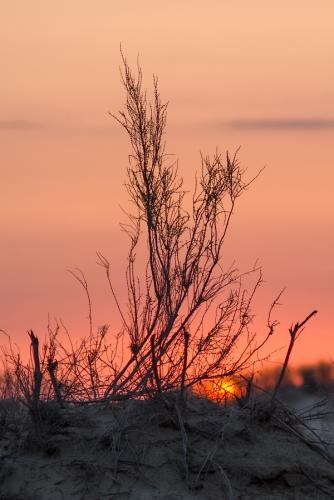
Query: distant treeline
point(311, 376)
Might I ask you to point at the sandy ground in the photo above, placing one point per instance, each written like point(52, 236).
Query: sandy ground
point(143, 450)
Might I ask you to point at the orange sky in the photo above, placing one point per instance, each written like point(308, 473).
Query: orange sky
point(257, 74)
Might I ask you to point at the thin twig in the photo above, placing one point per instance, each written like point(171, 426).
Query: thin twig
point(293, 330)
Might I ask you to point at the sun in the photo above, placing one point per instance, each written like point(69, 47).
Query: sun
point(220, 389)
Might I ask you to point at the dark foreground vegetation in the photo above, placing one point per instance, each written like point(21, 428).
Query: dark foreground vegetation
point(118, 414)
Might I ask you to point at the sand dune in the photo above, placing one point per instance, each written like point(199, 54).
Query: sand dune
point(142, 450)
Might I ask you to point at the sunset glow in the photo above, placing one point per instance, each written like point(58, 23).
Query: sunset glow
point(220, 390)
point(254, 74)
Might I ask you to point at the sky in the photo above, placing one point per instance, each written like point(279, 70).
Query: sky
point(258, 74)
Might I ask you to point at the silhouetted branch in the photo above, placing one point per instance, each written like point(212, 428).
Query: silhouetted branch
point(294, 334)
point(35, 396)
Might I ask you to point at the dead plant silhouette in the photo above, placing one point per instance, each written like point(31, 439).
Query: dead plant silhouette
point(189, 312)
point(188, 317)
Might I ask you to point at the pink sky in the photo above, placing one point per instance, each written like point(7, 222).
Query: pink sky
point(257, 74)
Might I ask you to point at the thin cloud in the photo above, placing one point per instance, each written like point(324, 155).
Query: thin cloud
point(299, 123)
point(17, 125)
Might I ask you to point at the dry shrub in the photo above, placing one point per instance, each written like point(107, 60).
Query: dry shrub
point(188, 318)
